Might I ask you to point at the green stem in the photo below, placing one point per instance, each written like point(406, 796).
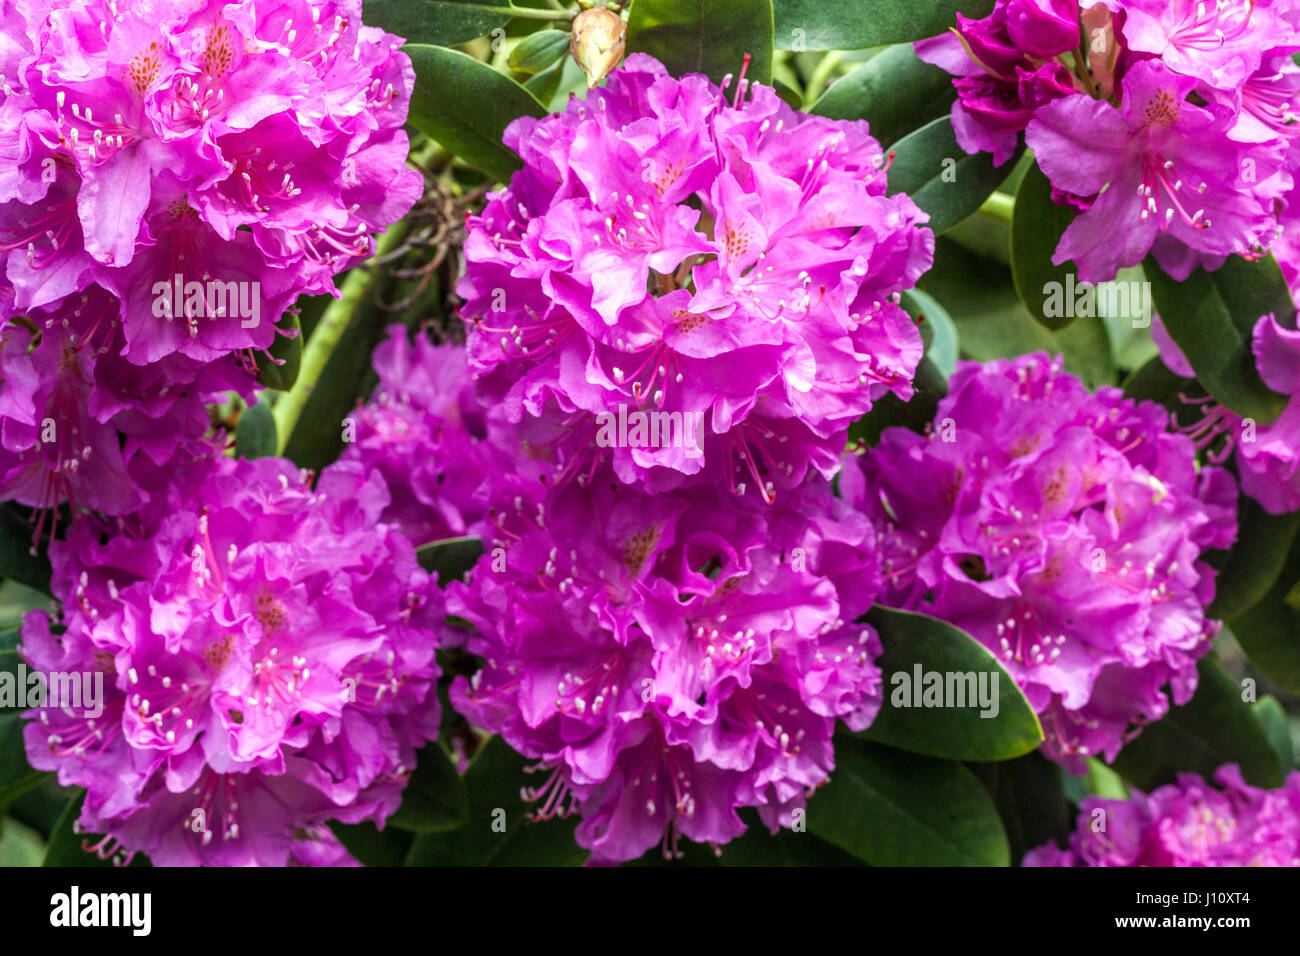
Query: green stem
point(820, 75)
point(326, 335)
point(999, 207)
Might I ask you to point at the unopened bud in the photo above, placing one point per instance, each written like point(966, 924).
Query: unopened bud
point(598, 41)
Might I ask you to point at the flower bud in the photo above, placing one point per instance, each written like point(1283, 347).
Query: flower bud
point(598, 40)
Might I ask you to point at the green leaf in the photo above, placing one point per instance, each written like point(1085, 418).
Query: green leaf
point(539, 50)
point(1269, 632)
point(916, 645)
point(451, 558)
point(940, 176)
point(704, 36)
point(1215, 727)
point(372, 846)
point(15, 601)
point(1036, 227)
point(466, 105)
point(255, 437)
point(1029, 793)
point(499, 831)
point(1210, 316)
point(16, 558)
point(1256, 560)
point(895, 92)
point(16, 776)
point(759, 847)
point(938, 330)
point(1274, 721)
point(286, 350)
point(890, 808)
point(446, 22)
point(434, 800)
point(857, 24)
point(19, 845)
point(992, 322)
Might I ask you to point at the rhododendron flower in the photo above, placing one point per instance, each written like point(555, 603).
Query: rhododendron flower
point(1188, 823)
point(669, 658)
point(1165, 174)
point(666, 252)
point(268, 656)
point(1065, 532)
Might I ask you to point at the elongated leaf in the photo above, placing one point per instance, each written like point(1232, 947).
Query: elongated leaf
point(704, 36)
point(992, 322)
point(857, 24)
point(445, 22)
point(1210, 315)
point(286, 350)
point(16, 558)
point(938, 330)
point(985, 717)
point(451, 558)
point(499, 831)
point(1256, 561)
point(1215, 727)
point(255, 436)
point(434, 800)
point(539, 50)
point(1036, 227)
point(1269, 632)
point(758, 847)
point(466, 105)
point(1029, 793)
point(895, 92)
point(890, 808)
point(372, 846)
point(1274, 721)
point(16, 776)
point(940, 176)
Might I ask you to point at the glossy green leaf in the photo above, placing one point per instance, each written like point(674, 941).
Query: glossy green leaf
point(1029, 793)
point(895, 92)
point(1256, 560)
point(759, 847)
point(940, 176)
point(539, 50)
point(1215, 727)
point(499, 831)
point(984, 717)
point(434, 800)
point(992, 322)
point(1269, 632)
point(938, 330)
point(19, 845)
point(890, 808)
point(704, 36)
point(1274, 721)
point(466, 105)
point(857, 24)
point(445, 22)
point(16, 558)
point(17, 777)
point(1036, 227)
point(280, 369)
point(1210, 316)
point(372, 846)
point(255, 435)
point(451, 558)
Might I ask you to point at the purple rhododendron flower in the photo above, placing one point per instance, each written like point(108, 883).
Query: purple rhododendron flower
point(1165, 174)
point(669, 658)
point(1064, 531)
point(1187, 823)
point(267, 655)
point(732, 266)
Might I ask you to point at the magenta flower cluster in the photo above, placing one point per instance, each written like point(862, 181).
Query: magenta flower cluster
point(1065, 531)
point(733, 265)
point(1172, 132)
point(266, 647)
point(1187, 823)
point(172, 177)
